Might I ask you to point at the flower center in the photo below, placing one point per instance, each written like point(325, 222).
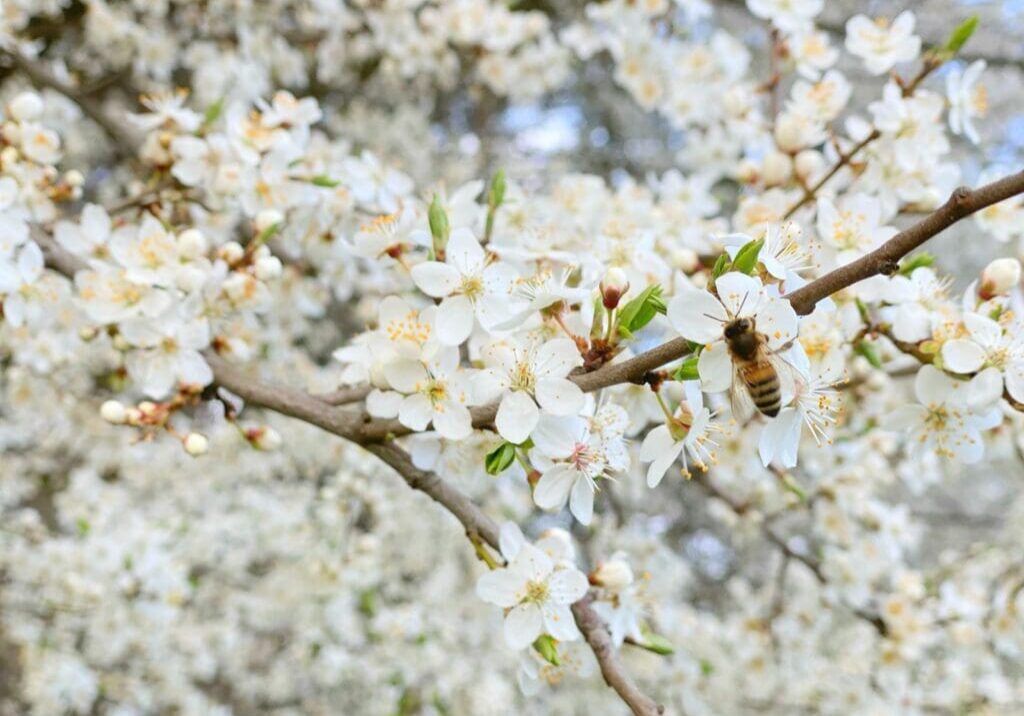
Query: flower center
point(522, 377)
point(536, 592)
point(472, 287)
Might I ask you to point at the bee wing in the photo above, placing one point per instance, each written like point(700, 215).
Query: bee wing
point(789, 374)
point(740, 401)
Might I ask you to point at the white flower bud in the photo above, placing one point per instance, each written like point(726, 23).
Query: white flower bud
point(114, 412)
point(196, 444)
point(189, 278)
point(87, 333)
point(686, 260)
point(238, 287)
point(232, 252)
point(614, 285)
point(147, 408)
point(776, 168)
point(26, 107)
point(746, 172)
point(614, 575)
point(999, 277)
point(790, 133)
point(74, 178)
point(268, 268)
point(808, 163)
point(192, 244)
point(264, 438)
point(267, 218)
point(12, 133)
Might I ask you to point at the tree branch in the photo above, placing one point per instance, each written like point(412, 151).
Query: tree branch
point(885, 259)
point(124, 141)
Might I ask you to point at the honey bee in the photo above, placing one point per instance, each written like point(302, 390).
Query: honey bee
point(759, 370)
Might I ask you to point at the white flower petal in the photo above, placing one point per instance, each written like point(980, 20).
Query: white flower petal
point(500, 587)
point(715, 368)
point(559, 396)
point(697, 315)
point(517, 417)
point(962, 356)
point(454, 320)
point(581, 501)
point(553, 488)
point(558, 621)
point(435, 278)
point(523, 625)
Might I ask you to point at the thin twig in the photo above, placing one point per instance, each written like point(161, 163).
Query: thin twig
point(124, 141)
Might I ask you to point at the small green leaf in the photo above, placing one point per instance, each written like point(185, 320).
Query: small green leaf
point(213, 112)
point(706, 667)
point(687, 370)
point(640, 311)
point(325, 181)
point(862, 309)
point(496, 195)
point(368, 602)
point(747, 256)
point(870, 352)
point(721, 266)
point(959, 37)
point(911, 264)
point(83, 526)
point(499, 459)
point(657, 643)
point(545, 646)
point(439, 228)
point(268, 233)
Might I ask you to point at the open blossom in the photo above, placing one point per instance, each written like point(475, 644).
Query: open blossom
point(525, 376)
point(853, 227)
point(815, 404)
point(469, 284)
point(967, 99)
point(700, 316)
point(437, 392)
point(685, 433)
point(168, 352)
point(782, 253)
point(571, 460)
point(882, 45)
point(917, 302)
point(988, 345)
point(18, 275)
point(537, 593)
point(951, 413)
point(90, 237)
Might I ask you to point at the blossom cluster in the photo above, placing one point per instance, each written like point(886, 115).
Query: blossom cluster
point(482, 326)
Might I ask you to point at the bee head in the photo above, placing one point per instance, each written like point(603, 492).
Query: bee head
point(738, 327)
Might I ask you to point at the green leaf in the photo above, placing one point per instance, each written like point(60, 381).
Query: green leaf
point(687, 370)
point(706, 667)
point(213, 112)
point(862, 309)
point(870, 352)
point(325, 181)
point(498, 460)
point(911, 264)
point(545, 646)
point(496, 195)
point(657, 643)
point(439, 228)
point(747, 256)
point(721, 266)
point(368, 602)
point(83, 526)
point(268, 233)
point(640, 311)
point(959, 37)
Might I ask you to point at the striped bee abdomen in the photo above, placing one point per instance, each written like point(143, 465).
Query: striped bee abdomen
point(762, 381)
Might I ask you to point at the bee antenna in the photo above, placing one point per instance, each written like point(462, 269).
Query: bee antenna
point(714, 318)
point(742, 302)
